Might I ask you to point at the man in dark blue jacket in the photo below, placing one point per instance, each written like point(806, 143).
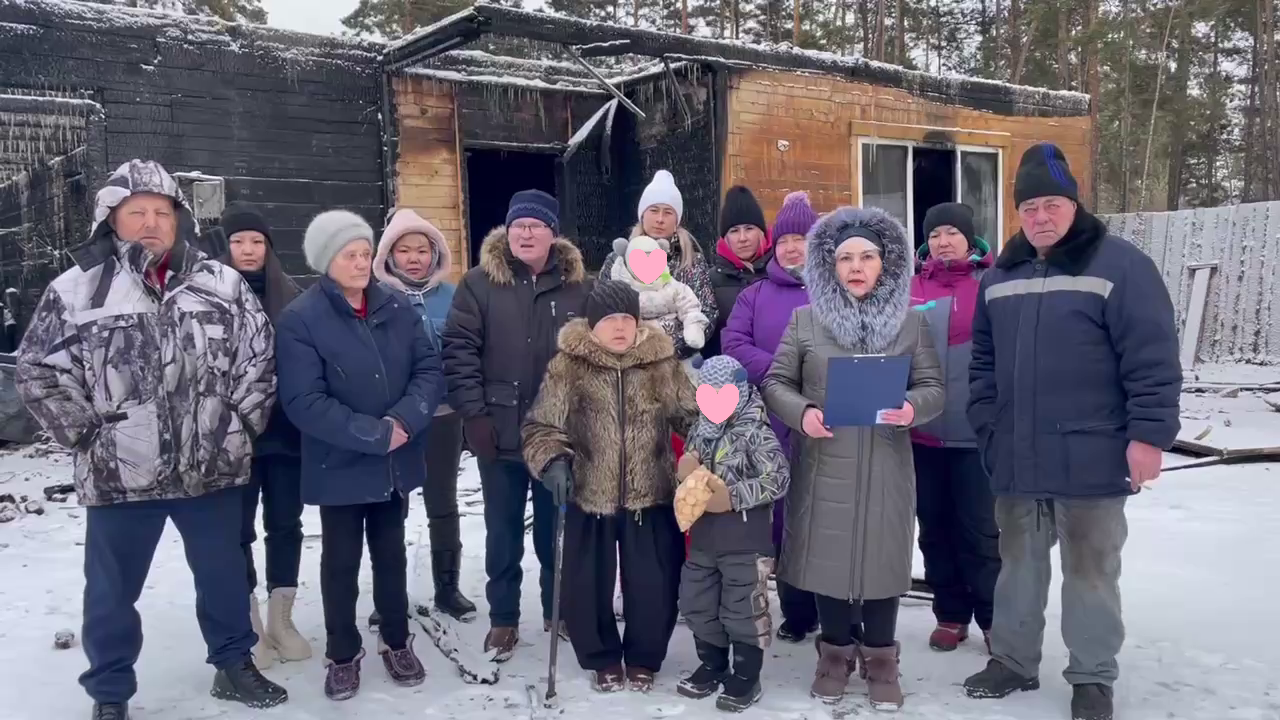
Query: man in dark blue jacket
point(1074, 384)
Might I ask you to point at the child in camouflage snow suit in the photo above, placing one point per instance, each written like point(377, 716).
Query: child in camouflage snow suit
point(724, 586)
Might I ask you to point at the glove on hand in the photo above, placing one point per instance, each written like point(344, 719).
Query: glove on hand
point(558, 478)
point(481, 437)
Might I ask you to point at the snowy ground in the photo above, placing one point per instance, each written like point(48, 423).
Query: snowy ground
point(1200, 585)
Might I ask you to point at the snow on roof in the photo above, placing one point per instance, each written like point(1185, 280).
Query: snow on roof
point(473, 66)
point(20, 15)
point(468, 25)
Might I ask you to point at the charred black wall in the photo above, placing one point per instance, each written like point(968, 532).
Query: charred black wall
point(291, 121)
point(668, 139)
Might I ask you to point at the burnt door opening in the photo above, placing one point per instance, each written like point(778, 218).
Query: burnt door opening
point(493, 176)
point(933, 182)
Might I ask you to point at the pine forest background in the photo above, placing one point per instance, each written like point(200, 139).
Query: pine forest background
point(1187, 108)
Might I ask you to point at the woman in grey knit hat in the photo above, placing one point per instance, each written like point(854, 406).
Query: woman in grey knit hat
point(363, 384)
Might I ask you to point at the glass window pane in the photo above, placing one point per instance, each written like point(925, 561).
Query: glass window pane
point(884, 179)
point(979, 185)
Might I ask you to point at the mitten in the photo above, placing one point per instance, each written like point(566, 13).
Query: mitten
point(688, 463)
point(719, 501)
point(694, 336)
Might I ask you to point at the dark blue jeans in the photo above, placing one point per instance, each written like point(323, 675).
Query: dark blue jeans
point(120, 542)
point(505, 485)
point(278, 479)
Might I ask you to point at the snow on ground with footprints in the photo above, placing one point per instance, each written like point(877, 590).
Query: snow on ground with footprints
point(1200, 591)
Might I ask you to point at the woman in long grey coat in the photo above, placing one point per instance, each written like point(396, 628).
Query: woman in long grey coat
point(850, 523)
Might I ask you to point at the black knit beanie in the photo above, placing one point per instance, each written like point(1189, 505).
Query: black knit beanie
point(740, 208)
point(1043, 172)
point(612, 297)
point(957, 215)
point(240, 216)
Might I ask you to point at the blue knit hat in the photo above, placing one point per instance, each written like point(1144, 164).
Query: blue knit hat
point(537, 205)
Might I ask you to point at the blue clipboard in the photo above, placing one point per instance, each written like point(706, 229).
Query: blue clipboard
point(859, 387)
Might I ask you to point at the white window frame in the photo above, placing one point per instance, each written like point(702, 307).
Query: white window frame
point(911, 145)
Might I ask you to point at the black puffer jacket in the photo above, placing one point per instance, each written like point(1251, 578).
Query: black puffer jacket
point(728, 281)
point(502, 332)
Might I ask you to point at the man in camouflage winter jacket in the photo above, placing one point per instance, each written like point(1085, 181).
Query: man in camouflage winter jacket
point(155, 366)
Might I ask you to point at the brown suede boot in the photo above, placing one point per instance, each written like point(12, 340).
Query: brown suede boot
point(883, 688)
point(835, 665)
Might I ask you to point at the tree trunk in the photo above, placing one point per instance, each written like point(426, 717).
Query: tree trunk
point(1064, 55)
point(1178, 124)
point(880, 30)
point(900, 22)
point(684, 16)
point(1093, 83)
point(1021, 60)
point(795, 20)
point(996, 48)
point(1155, 104)
point(1126, 120)
point(864, 21)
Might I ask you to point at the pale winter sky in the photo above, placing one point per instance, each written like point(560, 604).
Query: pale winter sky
point(321, 16)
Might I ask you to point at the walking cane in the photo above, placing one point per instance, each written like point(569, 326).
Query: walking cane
point(558, 552)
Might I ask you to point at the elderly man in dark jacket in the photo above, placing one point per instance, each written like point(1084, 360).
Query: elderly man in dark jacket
point(501, 333)
point(1074, 394)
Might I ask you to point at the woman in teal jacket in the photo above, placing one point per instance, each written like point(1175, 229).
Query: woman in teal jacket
point(413, 258)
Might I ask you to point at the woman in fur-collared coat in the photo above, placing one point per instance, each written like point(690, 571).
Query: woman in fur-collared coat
point(599, 438)
point(851, 506)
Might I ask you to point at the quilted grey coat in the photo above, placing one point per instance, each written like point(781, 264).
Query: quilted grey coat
point(850, 524)
point(159, 391)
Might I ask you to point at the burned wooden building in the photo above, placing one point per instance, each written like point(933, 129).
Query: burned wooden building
point(455, 117)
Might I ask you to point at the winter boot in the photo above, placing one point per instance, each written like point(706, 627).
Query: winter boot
point(1092, 701)
point(289, 644)
point(110, 711)
point(742, 688)
point(704, 681)
point(402, 665)
point(564, 629)
point(998, 681)
point(948, 636)
point(881, 666)
point(640, 679)
point(501, 641)
point(835, 665)
point(342, 680)
point(791, 633)
point(445, 568)
point(264, 654)
point(243, 683)
point(609, 680)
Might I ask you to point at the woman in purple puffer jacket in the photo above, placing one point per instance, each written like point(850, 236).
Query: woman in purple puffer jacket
point(954, 504)
point(751, 336)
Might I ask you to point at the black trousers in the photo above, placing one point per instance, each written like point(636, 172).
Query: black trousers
point(841, 620)
point(440, 494)
point(344, 529)
point(278, 479)
point(959, 537)
point(799, 609)
point(650, 548)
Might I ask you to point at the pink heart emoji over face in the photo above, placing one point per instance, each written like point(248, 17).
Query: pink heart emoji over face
point(717, 405)
point(647, 266)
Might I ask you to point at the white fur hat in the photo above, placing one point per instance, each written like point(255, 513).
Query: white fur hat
point(661, 191)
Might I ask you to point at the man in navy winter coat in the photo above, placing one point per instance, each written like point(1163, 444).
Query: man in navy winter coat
point(1074, 383)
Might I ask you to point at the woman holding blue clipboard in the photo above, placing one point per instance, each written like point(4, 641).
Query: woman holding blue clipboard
point(855, 369)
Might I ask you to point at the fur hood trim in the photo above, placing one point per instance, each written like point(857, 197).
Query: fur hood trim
point(652, 345)
point(871, 324)
point(496, 259)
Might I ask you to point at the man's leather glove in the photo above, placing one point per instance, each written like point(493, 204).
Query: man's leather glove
point(558, 478)
point(481, 437)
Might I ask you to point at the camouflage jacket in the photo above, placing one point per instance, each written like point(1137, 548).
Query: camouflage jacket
point(159, 392)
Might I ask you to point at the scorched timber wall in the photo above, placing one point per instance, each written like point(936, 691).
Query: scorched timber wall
point(291, 121)
point(1243, 301)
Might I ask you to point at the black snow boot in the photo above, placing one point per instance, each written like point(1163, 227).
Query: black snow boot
point(742, 688)
point(704, 681)
point(110, 711)
point(1092, 701)
point(244, 683)
point(998, 681)
point(445, 566)
point(789, 632)
point(374, 620)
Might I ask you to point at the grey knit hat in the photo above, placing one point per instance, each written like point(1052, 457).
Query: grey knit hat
point(331, 231)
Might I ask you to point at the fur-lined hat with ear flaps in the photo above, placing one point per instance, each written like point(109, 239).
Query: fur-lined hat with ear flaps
point(868, 325)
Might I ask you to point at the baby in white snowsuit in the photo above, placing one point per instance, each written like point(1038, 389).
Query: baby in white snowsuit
point(665, 300)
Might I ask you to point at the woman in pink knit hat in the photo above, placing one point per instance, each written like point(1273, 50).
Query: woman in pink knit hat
point(413, 258)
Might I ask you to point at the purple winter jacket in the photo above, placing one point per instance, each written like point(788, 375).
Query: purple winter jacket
point(752, 334)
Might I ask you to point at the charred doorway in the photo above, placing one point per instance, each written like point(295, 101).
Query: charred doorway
point(934, 180)
point(492, 177)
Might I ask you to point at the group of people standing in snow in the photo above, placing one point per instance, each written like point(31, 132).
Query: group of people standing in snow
point(1043, 385)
